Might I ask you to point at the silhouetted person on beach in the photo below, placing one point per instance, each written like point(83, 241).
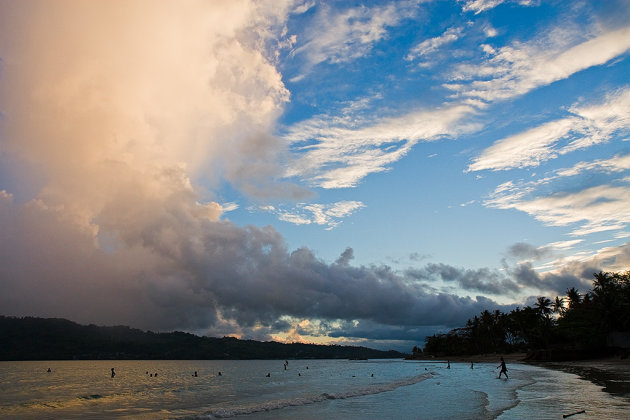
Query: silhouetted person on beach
point(503, 368)
point(113, 373)
point(195, 374)
point(471, 365)
point(219, 373)
point(448, 364)
point(49, 370)
point(269, 375)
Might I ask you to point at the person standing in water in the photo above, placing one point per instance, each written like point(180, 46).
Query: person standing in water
point(503, 368)
point(113, 373)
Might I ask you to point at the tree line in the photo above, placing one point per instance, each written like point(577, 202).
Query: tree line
point(31, 338)
point(570, 327)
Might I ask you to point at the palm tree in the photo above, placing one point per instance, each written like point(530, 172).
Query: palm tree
point(543, 306)
point(603, 285)
point(574, 297)
point(558, 306)
point(606, 296)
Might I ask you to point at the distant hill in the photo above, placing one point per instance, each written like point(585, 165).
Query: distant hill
point(32, 338)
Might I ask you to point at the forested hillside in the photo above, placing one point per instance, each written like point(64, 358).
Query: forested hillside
point(59, 339)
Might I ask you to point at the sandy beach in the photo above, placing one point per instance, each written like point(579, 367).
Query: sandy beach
point(611, 373)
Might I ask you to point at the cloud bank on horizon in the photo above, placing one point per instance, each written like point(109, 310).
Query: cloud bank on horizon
point(230, 167)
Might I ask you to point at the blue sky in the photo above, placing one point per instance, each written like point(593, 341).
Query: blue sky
point(353, 172)
point(422, 114)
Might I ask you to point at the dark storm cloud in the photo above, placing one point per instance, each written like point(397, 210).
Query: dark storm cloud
point(373, 331)
point(482, 280)
point(523, 250)
point(346, 256)
point(578, 275)
point(173, 269)
point(181, 271)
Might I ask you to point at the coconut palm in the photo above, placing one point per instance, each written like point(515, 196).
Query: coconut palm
point(575, 298)
point(558, 306)
point(543, 306)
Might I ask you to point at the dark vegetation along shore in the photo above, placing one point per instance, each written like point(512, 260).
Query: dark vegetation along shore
point(59, 339)
point(592, 325)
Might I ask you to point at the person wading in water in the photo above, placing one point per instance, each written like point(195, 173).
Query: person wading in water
point(503, 368)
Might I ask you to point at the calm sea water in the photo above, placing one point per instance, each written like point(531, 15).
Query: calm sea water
point(313, 389)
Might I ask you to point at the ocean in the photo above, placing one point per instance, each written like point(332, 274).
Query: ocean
point(306, 389)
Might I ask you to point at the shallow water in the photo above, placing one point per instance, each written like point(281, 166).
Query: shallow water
point(307, 389)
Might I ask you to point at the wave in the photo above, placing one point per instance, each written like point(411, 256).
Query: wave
point(221, 413)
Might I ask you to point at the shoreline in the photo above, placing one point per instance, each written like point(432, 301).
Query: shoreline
point(611, 373)
point(476, 358)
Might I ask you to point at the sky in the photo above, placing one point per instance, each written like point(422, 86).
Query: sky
point(364, 173)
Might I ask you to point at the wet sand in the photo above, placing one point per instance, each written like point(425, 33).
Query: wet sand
point(612, 373)
point(479, 358)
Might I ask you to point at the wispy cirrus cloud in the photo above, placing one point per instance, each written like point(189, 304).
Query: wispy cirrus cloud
point(338, 37)
point(590, 209)
point(586, 126)
point(595, 209)
point(479, 6)
point(340, 152)
point(614, 164)
point(516, 69)
point(431, 45)
point(564, 245)
point(329, 215)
